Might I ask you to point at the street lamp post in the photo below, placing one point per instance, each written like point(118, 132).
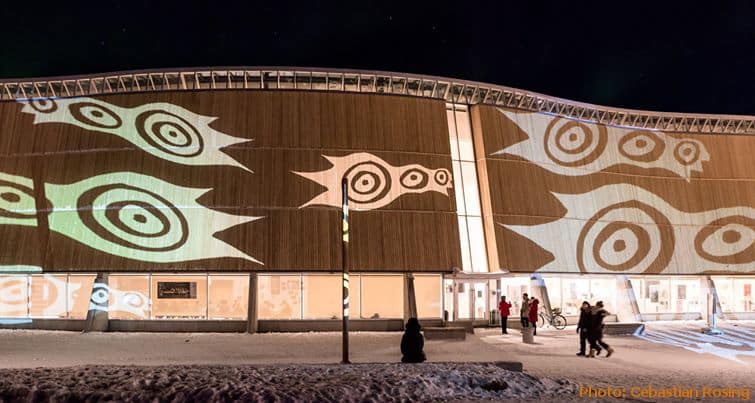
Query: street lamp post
point(345, 268)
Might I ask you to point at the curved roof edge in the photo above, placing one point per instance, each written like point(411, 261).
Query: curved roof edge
point(362, 81)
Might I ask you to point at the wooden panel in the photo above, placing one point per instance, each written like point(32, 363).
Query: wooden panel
point(567, 196)
point(253, 178)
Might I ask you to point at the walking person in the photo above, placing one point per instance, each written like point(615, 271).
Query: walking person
point(596, 330)
point(412, 343)
point(505, 309)
point(534, 303)
point(582, 327)
point(524, 311)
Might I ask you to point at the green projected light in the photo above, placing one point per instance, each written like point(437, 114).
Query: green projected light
point(17, 201)
point(141, 217)
point(167, 131)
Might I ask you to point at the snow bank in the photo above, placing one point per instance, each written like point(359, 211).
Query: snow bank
point(356, 382)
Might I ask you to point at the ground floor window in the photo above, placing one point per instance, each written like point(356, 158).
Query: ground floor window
point(45, 296)
point(735, 293)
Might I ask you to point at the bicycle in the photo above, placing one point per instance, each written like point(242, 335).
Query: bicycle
point(557, 320)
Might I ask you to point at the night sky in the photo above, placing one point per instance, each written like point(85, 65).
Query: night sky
point(654, 56)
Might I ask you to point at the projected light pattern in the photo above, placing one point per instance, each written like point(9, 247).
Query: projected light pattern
point(141, 217)
point(626, 229)
point(736, 342)
point(167, 131)
point(374, 183)
point(575, 148)
point(109, 299)
point(17, 202)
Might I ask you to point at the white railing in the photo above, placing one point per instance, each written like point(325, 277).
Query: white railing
point(313, 79)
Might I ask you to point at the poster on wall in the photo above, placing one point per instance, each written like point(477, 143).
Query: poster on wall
point(176, 290)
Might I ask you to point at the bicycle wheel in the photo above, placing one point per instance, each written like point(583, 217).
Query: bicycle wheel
point(559, 322)
point(541, 320)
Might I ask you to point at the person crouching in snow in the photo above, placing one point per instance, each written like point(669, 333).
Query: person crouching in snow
point(582, 327)
point(412, 343)
point(534, 302)
point(596, 330)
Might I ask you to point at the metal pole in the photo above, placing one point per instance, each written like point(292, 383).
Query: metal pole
point(345, 269)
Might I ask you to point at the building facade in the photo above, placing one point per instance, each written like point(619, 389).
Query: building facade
point(210, 199)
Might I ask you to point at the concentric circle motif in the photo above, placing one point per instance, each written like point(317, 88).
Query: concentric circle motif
point(642, 146)
point(687, 152)
point(43, 105)
point(99, 299)
point(442, 176)
point(414, 179)
point(608, 242)
point(169, 133)
point(728, 240)
point(13, 292)
point(16, 201)
point(92, 114)
point(570, 143)
point(368, 182)
point(133, 217)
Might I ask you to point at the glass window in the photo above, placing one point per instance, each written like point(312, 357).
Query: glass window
point(14, 296)
point(743, 294)
point(48, 296)
point(382, 296)
point(513, 288)
point(471, 192)
point(79, 294)
point(228, 297)
point(452, 134)
point(603, 289)
point(279, 296)
point(477, 245)
point(725, 292)
point(637, 288)
point(685, 295)
point(464, 134)
point(458, 188)
point(427, 292)
point(179, 296)
point(656, 294)
point(553, 285)
point(448, 296)
point(573, 292)
point(466, 254)
point(464, 294)
point(129, 296)
point(322, 297)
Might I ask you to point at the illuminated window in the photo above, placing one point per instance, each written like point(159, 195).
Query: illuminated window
point(279, 296)
point(48, 296)
point(686, 295)
point(573, 292)
point(553, 285)
point(179, 296)
point(79, 293)
point(129, 296)
point(322, 296)
point(427, 293)
point(14, 296)
point(228, 296)
point(382, 296)
point(744, 288)
point(603, 289)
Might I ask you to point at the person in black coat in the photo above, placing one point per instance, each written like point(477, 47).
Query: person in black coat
point(595, 333)
point(582, 327)
point(412, 343)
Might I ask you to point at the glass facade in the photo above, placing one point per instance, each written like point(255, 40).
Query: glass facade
point(735, 293)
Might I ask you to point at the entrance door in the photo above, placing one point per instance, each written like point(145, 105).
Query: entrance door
point(471, 300)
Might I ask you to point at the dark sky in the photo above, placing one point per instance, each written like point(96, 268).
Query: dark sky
point(656, 55)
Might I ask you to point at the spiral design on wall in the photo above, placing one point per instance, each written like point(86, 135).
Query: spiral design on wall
point(98, 301)
point(169, 133)
point(44, 105)
point(570, 143)
point(133, 217)
point(13, 292)
point(96, 115)
point(414, 178)
point(368, 182)
point(609, 242)
point(642, 146)
point(16, 201)
point(728, 240)
point(687, 152)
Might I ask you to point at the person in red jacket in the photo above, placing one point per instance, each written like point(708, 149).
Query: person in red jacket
point(504, 308)
point(534, 302)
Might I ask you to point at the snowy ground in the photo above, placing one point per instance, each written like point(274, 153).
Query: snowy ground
point(359, 382)
point(267, 366)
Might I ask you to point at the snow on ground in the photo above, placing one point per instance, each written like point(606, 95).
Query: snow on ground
point(334, 382)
